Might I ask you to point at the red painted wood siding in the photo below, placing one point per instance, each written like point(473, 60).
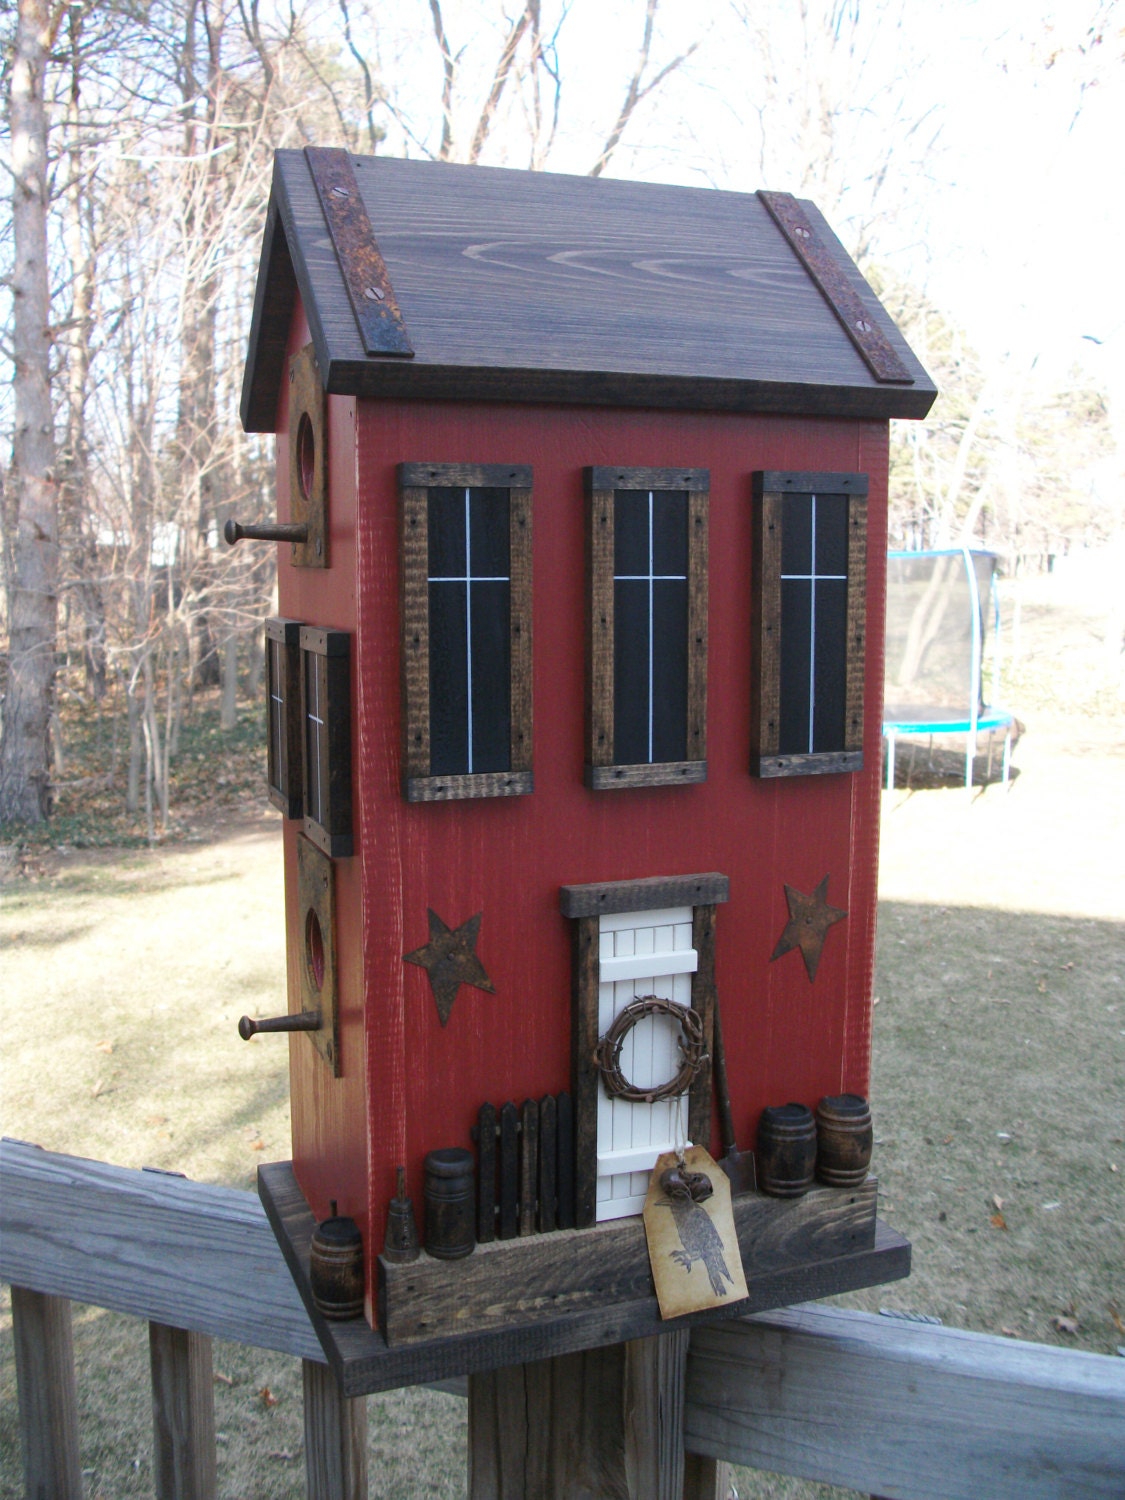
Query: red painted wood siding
point(787, 1039)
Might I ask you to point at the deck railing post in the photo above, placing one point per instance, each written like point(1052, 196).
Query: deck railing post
point(705, 1478)
point(335, 1437)
point(48, 1399)
point(183, 1414)
point(601, 1423)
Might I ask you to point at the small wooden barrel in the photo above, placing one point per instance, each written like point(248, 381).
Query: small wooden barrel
point(450, 1203)
point(336, 1268)
point(786, 1150)
point(844, 1137)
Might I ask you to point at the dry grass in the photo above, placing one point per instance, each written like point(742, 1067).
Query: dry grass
point(999, 1052)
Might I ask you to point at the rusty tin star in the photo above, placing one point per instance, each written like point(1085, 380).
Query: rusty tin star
point(450, 960)
point(810, 917)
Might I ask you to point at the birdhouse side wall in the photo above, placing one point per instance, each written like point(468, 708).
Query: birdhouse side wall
point(329, 1141)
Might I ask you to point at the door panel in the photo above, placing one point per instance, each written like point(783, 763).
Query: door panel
point(641, 953)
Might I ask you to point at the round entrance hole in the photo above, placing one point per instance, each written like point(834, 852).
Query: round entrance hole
point(314, 950)
point(306, 456)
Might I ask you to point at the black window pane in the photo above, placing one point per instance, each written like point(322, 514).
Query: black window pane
point(669, 532)
point(669, 674)
point(831, 534)
point(630, 672)
point(316, 736)
point(488, 533)
point(796, 647)
point(449, 680)
point(276, 760)
point(492, 721)
point(829, 666)
point(446, 522)
point(796, 534)
point(630, 532)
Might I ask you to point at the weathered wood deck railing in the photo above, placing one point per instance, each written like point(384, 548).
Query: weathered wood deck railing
point(913, 1411)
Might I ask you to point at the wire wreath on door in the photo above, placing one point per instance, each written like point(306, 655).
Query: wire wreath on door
point(693, 1052)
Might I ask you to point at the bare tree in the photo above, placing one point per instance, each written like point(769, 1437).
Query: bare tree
point(836, 109)
point(24, 772)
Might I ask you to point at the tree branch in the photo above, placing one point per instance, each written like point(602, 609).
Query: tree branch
point(638, 90)
point(499, 79)
point(448, 65)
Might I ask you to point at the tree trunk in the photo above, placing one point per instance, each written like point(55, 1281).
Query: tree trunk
point(133, 777)
point(25, 792)
point(229, 673)
point(78, 538)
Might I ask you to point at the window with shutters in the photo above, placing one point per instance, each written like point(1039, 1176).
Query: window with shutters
point(809, 622)
point(647, 634)
point(466, 630)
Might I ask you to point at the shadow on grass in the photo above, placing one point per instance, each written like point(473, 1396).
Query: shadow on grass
point(52, 939)
point(998, 1053)
point(134, 876)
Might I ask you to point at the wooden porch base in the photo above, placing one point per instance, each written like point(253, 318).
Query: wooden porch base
point(793, 1250)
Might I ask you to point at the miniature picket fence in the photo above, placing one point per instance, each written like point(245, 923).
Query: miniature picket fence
point(848, 1398)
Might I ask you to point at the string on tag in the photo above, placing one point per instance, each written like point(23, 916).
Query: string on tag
point(679, 1133)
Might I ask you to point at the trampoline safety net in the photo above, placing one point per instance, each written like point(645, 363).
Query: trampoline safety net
point(937, 624)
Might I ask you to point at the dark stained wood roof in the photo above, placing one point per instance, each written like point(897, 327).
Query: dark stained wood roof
point(528, 286)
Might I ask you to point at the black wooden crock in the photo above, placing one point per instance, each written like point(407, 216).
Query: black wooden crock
point(450, 1206)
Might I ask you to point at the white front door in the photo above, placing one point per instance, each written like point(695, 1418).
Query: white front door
point(641, 953)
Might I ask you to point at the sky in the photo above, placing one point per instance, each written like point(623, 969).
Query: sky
point(1013, 223)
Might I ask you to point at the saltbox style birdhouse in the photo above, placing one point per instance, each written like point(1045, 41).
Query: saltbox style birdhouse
point(573, 718)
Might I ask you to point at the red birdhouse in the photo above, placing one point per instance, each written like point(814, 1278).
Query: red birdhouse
point(574, 706)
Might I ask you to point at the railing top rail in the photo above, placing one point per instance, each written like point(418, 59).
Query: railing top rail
point(188, 1254)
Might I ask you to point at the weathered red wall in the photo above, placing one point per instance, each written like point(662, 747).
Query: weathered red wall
point(786, 1039)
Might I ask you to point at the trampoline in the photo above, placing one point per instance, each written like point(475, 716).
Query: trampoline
point(942, 612)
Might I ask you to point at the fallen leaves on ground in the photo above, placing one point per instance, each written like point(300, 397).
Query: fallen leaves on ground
point(105, 1046)
point(267, 1397)
point(221, 1379)
point(1116, 1316)
point(1064, 1324)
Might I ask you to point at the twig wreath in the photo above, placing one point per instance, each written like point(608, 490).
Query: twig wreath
point(693, 1056)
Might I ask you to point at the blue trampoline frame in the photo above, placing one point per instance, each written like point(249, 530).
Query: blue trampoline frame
point(979, 718)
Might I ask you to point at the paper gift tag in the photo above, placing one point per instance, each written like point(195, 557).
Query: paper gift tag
point(692, 1244)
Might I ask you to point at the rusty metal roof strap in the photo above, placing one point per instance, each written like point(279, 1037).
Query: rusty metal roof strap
point(839, 291)
point(377, 312)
